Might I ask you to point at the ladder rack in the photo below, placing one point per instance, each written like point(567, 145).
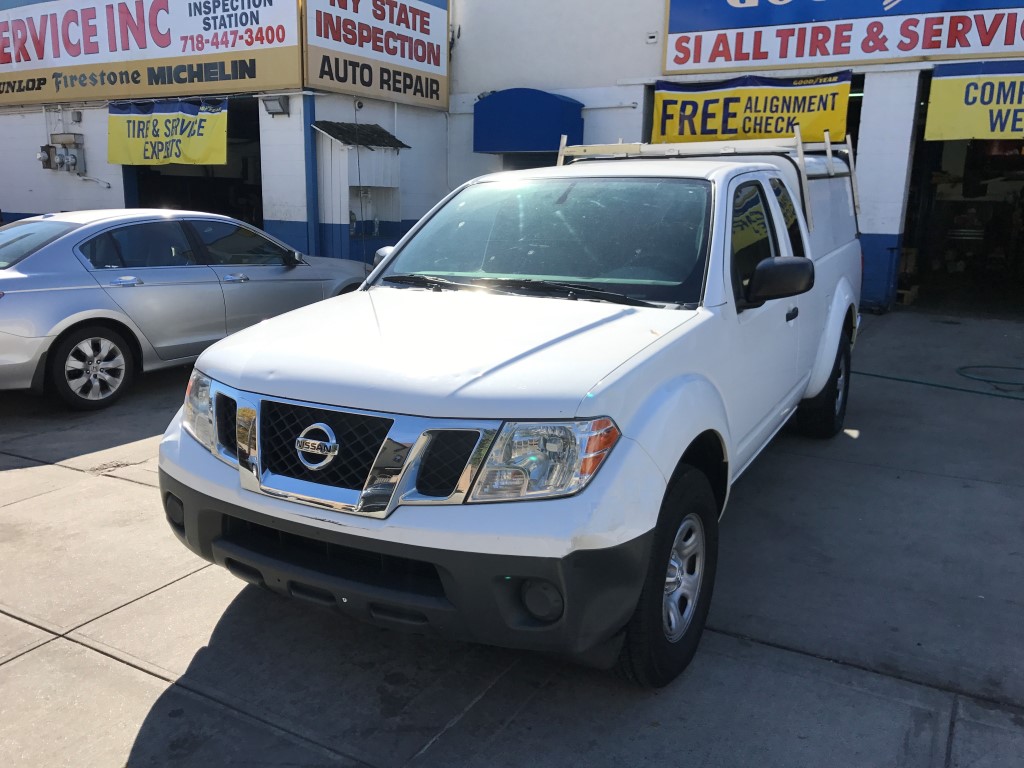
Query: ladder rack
point(793, 147)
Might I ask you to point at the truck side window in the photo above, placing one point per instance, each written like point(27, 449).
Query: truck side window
point(789, 215)
point(753, 235)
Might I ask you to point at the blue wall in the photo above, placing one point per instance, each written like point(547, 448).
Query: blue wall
point(881, 270)
point(9, 216)
point(339, 241)
point(294, 233)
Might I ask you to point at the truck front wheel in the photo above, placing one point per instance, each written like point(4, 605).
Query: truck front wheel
point(823, 415)
point(663, 635)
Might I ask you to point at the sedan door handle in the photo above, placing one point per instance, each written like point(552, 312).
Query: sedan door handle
point(127, 282)
point(238, 277)
point(791, 315)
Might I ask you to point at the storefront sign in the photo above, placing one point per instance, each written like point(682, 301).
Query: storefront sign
point(752, 108)
point(723, 35)
point(191, 133)
point(380, 49)
point(70, 50)
point(976, 101)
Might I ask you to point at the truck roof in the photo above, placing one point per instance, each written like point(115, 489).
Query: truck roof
point(688, 168)
point(678, 167)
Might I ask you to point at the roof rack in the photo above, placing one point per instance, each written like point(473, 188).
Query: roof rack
point(793, 147)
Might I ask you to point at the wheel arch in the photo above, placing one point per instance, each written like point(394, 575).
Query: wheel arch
point(39, 381)
point(842, 317)
point(707, 453)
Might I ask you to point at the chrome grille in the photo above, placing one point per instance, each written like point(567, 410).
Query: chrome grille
point(359, 438)
point(444, 461)
point(384, 460)
point(227, 413)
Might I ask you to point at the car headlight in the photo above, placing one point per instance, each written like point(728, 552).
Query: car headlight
point(198, 413)
point(544, 459)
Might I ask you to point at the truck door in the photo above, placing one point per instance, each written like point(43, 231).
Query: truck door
point(762, 382)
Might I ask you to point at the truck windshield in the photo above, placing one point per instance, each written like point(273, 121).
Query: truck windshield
point(645, 238)
point(23, 238)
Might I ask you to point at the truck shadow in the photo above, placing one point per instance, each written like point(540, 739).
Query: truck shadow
point(281, 682)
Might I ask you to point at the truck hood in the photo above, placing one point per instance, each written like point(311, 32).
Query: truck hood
point(449, 354)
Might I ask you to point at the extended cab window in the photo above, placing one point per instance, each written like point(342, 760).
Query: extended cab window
point(753, 235)
point(646, 238)
point(790, 218)
point(228, 243)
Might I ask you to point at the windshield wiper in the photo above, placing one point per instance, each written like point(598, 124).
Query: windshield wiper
point(425, 281)
point(568, 290)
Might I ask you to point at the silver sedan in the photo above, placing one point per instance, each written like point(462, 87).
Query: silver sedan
point(90, 298)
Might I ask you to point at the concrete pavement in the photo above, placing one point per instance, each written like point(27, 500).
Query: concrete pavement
point(868, 609)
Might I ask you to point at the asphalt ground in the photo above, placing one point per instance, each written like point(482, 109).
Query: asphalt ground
point(868, 611)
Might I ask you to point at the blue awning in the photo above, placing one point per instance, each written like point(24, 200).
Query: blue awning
point(525, 120)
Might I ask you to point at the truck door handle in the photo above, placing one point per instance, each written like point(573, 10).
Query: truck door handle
point(791, 315)
point(127, 282)
point(238, 277)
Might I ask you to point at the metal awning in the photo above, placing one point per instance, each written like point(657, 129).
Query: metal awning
point(525, 120)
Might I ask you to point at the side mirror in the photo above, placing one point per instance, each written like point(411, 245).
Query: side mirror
point(382, 253)
point(293, 259)
point(779, 278)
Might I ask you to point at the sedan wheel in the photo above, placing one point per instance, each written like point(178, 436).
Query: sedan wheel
point(91, 368)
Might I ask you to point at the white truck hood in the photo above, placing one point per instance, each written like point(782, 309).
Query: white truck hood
point(449, 354)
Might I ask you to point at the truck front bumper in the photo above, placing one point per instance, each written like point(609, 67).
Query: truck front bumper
point(575, 605)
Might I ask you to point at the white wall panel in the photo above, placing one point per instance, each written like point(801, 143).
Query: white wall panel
point(283, 159)
point(25, 187)
point(885, 149)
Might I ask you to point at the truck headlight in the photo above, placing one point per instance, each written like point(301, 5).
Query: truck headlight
point(198, 414)
point(544, 459)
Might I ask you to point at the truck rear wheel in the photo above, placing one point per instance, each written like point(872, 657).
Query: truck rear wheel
point(823, 416)
point(662, 637)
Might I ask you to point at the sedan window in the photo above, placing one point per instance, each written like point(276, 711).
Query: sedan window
point(228, 243)
point(23, 238)
point(150, 244)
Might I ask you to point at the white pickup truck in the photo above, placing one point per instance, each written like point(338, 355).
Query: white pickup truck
point(523, 428)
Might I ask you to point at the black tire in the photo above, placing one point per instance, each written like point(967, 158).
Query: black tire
point(823, 416)
point(106, 372)
point(650, 656)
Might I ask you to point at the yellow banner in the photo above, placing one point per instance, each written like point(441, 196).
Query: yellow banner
point(190, 133)
point(752, 108)
point(976, 106)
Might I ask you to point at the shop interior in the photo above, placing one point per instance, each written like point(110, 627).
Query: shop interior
point(234, 189)
point(964, 242)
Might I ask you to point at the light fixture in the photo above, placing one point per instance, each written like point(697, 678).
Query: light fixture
point(275, 105)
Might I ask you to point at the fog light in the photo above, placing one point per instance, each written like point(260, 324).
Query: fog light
point(174, 509)
point(542, 599)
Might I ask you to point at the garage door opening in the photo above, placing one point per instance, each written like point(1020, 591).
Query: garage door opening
point(965, 225)
point(234, 189)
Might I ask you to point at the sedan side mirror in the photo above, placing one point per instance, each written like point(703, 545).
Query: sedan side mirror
point(778, 278)
point(382, 253)
point(293, 259)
